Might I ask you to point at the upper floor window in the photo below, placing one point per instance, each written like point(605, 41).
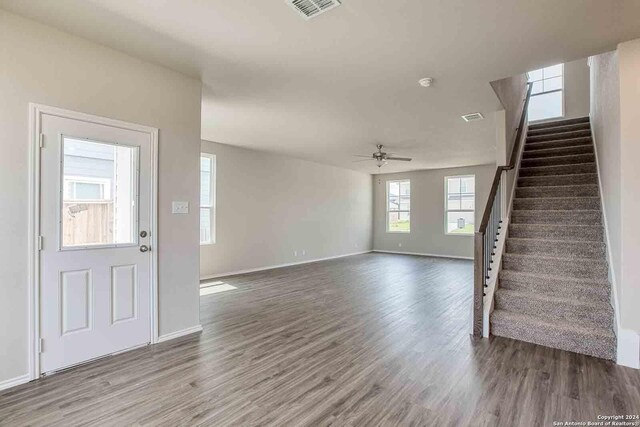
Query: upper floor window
point(207, 199)
point(399, 206)
point(547, 95)
point(460, 204)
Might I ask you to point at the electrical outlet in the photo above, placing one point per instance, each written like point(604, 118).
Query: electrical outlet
point(304, 252)
point(295, 253)
point(399, 245)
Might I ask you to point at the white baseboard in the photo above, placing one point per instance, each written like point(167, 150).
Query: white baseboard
point(628, 348)
point(271, 267)
point(181, 333)
point(13, 382)
point(422, 254)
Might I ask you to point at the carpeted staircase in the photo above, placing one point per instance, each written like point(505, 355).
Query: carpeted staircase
point(553, 287)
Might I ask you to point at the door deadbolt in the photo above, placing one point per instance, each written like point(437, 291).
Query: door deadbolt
point(143, 233)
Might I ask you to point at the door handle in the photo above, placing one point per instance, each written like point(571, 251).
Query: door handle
point(144, 248)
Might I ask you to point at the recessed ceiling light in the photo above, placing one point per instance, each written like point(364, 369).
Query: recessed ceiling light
point(426, 82)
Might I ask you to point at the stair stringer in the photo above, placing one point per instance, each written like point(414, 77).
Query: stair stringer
point(507, 206)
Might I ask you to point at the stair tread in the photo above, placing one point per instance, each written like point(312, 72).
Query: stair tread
point(553, 123)
point(554, 299)
point(542, 276)
point(555, 258)
point(576, 226)
point(556, 166)
point(532, 239)
point(535, 144)
point(588, 174)
point(559, 128)
point(552, 150)
point(566, 326)
point(558, 198)
point(560, 186)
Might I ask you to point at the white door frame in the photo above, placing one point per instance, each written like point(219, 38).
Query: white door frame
point(35, 122)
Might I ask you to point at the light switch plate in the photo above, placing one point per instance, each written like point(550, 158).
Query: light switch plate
point(180, 207)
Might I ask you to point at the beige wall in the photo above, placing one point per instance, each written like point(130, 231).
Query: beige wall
point(605, 121)
point(511, 93)
point(427, 234)
point(629, 298)
point(615, 115)
point(42, 65)
point(269, 206)
point(576, 89)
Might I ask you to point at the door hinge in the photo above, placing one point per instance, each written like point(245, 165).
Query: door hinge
point(40, 345)
point(42, 140)
point(40, 242)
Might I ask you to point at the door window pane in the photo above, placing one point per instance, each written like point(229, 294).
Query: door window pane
point(99, 198)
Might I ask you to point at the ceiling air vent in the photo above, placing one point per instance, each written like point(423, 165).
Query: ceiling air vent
point(312, 8)
point(472, 117)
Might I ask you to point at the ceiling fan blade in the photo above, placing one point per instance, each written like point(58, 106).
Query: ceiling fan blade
point(402, 159)
point(363, 160)
point(358, 155)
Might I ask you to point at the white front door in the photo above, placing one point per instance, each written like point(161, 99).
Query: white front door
point(95, 217)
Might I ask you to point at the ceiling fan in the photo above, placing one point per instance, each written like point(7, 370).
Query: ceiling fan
point(381, 157)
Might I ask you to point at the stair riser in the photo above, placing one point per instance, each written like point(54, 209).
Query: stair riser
point(545, 181)
point(594, 317)
point(559, 160)
point(603, 348)
point(579, 203)
point(549, 217)
point(554, 248)
point(559, 129)
point(593, 270)
point(556, 136)
point(532, 147)
point(558, 288)
point(525, 231)
point(559, 170)
point(557, 123)
point(561, 191)
point(565, 151)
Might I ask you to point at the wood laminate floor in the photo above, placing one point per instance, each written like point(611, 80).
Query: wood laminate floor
point(368, 340)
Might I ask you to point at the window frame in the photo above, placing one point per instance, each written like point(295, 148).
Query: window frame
point(212, 206)
point(388, 184)
point(562, 103)
point(446, 205)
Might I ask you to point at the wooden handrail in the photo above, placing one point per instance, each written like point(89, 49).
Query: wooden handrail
point(512, 164)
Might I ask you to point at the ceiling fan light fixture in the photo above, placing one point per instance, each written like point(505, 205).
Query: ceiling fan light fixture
point(381, 162)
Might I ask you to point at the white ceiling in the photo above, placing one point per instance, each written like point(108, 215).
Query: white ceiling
point(335, 86)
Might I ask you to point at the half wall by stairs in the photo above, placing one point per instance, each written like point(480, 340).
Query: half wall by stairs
point(553, 287)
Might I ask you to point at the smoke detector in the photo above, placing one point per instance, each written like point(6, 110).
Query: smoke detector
point(472, 117)
point(311, 8)
point(426, 82)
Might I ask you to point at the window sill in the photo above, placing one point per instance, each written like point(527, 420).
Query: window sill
point(460, 234)
point(208, 244)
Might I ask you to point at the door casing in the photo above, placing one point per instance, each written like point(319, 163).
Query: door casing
point(36, 111)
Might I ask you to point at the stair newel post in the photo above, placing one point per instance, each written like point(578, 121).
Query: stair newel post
point(479, 267)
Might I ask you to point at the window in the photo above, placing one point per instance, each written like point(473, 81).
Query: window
point(398, 206)
point(547, 100)
point(86, 189)
point(100, 194)
point(207, 199)
point(460, 204)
